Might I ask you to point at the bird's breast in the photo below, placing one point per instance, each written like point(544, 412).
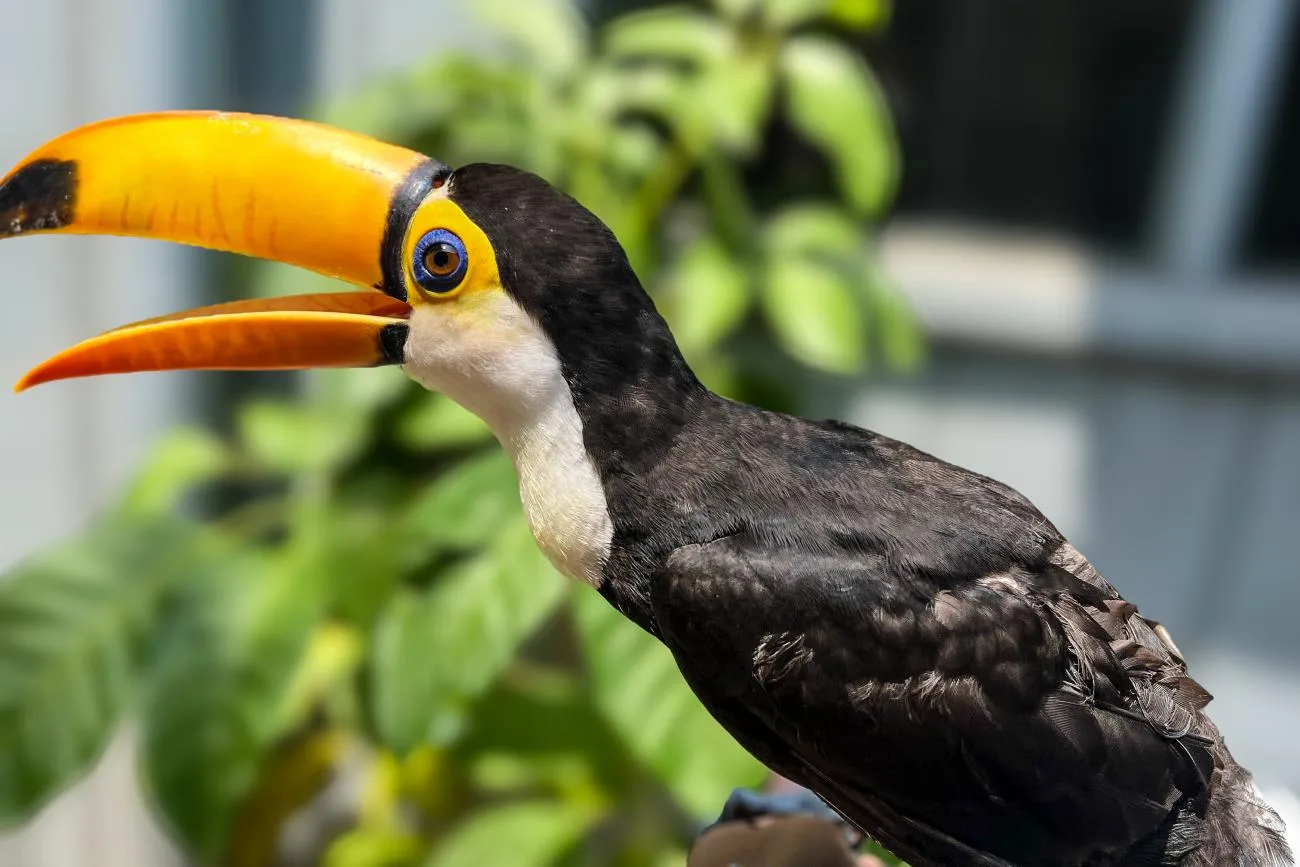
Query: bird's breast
point(490, 357)
point(562, 494)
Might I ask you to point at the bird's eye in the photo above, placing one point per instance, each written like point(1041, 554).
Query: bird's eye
point(440, 261)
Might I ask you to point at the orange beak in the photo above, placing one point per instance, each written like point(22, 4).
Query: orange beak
point(292, 191)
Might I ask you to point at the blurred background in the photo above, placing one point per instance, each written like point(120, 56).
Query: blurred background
point(293, 620)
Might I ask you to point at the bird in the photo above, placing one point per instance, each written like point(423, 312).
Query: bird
point(915, 642)
point(786, 826)
point(777, 841)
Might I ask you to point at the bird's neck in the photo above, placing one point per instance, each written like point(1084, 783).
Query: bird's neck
point(629, 384)
point(576, 412)
point(559, 484)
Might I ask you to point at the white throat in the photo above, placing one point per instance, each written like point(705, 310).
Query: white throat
point(488, 355)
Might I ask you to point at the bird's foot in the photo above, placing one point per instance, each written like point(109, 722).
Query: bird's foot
point(749, 804)
point(779, 829)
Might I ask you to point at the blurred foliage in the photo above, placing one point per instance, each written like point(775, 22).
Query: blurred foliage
point(365, 661)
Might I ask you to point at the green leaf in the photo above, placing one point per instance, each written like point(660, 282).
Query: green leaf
point(375, 847)
point(834, 101)
point(436, 422)
point(436, 652)
point(674, 97)
point(641, 692)
point(707, 295)
point(735, 9)
point(224, 663)
point(740, 92)
point(634, 149)
point(815, 315)
point(859, 14)
point(181, 460)
point(545, 718)
point(784, 14)
point(901, 342)
point(550, 31)
point(292, 438)
point(325, 670)
point(359, 388)
point(669, 33)
point(871, 847)
point(522, 834)
point(465, 508)
point(352, 553)
point(815, 230)
point(74, 624)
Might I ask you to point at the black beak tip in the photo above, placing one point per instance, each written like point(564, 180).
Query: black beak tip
point(40, 196)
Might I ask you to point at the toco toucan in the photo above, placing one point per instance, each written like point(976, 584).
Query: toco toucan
point(913, 641)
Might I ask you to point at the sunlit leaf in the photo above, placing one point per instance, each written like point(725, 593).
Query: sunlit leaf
point(736, 9)
point(438, 650)
point(544, 722)
point(706, 296)
point(669, 32)
point(634, 149)
point(651, 88)
point(673, 97)
point(815, 314)
point(859, 14)
point(359, 388)
point(351, 552)
point(871, 847)
point(466, 507)
point(784, 14)
point(298, 438)
point(814, 229)
point(834, 101)
point(641, 692)
point(331, 659)
point(437, 422)
point(375, 847)
point(741, 94)
point(183, 459)
point(226, 656)
point(521, 834)
point(901, 342)
point(727, 202)
point(74, 628)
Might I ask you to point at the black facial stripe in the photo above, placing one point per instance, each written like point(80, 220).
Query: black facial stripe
point(392, 343)
point(415, 187)
point(42, 195)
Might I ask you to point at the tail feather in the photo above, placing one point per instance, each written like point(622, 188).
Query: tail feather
point(1239, 828)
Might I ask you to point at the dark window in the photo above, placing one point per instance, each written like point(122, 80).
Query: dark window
point(1273, 226)
point(1042, 114)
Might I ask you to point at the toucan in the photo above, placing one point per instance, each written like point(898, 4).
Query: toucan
point(914, 642)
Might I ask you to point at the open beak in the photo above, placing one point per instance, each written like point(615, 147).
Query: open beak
point(292, 191)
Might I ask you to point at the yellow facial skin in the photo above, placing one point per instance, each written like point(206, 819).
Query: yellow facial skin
point(439, 212)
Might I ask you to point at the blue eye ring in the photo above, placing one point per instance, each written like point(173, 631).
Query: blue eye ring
point(439, 261)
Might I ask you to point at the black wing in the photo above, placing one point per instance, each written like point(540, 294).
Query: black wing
point(1028, 716)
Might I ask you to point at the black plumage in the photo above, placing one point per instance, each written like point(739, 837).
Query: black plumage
point(913, 641)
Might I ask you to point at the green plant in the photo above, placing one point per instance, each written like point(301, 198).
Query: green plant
point(372, 615)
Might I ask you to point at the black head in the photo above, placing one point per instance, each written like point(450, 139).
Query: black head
point(567, 270)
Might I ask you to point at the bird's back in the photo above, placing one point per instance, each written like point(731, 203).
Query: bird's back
point(922, 647)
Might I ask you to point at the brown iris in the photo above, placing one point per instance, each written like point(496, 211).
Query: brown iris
point(441, 259)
